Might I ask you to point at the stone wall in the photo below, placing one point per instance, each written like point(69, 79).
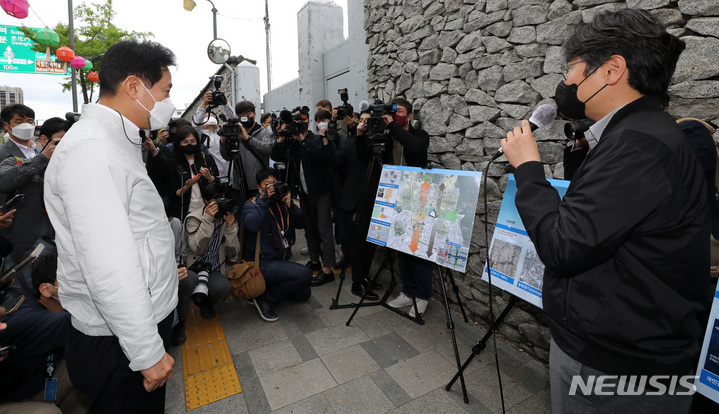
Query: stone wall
point(474, 68)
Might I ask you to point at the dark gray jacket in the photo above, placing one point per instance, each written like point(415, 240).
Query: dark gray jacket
point(22, 176)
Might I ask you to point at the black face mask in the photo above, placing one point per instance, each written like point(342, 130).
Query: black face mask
point(188, 149)
point(567, 102)
point(247, 122)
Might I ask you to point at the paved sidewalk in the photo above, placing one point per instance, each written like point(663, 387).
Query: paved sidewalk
point(311, 362)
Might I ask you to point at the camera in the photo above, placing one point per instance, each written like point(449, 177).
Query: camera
point(375, 123)
point(575, 130)
point(346, 109)
point(296, 122)
point(281, 187)
point(224, 206)
point(199, 294)
point(331, 133)
point(218, 97)
point(173, 126)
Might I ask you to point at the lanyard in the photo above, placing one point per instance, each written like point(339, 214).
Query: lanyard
point(281, 224)
point(50, 365)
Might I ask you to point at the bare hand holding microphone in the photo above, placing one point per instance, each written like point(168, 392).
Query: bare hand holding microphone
point(519, 146)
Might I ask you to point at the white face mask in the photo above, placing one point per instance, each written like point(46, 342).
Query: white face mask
point(161, 113)
point(322, 125)
point(24, 131)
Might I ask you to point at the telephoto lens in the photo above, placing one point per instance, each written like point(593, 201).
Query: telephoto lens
point(200, 294)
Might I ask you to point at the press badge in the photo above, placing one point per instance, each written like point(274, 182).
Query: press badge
point(50, 389)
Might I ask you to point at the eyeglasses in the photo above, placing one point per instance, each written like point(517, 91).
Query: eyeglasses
point(566, 66)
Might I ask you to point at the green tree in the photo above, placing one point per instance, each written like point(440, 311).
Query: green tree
point(94, 34)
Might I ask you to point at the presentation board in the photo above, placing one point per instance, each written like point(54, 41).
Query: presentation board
point(516, 267)
point(708, 369)
point(427, 213)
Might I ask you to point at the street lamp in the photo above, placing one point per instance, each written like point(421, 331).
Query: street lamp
point(190, 4)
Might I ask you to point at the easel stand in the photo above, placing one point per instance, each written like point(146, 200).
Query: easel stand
point(479, 347)
point(388, 260)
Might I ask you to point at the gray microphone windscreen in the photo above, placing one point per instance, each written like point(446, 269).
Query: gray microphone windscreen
point(543, 116)
point(363, 106)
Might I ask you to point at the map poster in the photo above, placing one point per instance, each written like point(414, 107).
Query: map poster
point(428, 213)
point(708, 369)
point(516, 267)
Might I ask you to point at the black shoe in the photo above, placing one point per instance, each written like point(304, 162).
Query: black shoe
point(369, 283)
point(207, 311)
point(266, 313)
point(315, 267)
point(360, 289)
point(322, 278)
point(178, 337)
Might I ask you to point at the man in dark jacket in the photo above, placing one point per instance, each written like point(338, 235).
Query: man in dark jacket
point(22, 166)
point(626, 252)
point(310, 171)
point(275, 219)
point(405, 145)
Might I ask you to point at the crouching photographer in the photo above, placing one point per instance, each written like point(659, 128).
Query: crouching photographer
point(275, 217)
point(211, 239)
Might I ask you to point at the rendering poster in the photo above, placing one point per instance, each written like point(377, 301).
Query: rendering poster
point(516, 267)
point(708, 369)
point(428, 213)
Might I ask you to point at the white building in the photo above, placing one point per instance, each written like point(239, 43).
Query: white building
point(10, 95)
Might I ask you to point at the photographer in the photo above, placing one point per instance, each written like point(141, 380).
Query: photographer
point(309, 169)
point(404, 145)
point(22, 168)
point(206, 125)
point(351, 174)
point(198, 170)
point(326, 105)
point(254, 149)
point(211, 239)
point(276, 219)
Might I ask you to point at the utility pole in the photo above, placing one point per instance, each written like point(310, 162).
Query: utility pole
point(72, 46)
point(214, 20)
point(267, 42)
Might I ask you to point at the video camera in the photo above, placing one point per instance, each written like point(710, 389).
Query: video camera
point(281, 187)
point(218, 97)
point(296, 122)
point(346, 109)
point(231, 130)
point(375, 123)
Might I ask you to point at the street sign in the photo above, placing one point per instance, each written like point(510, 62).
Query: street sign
point(17, 56)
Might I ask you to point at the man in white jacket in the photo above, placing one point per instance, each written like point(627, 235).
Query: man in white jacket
point(116, 268)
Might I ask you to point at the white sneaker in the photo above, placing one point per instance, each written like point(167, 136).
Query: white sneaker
point(421, 307)
point(401, 301)
point(305, 251)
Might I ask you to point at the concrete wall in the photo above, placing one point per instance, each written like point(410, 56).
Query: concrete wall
point(326, 61)
point(474, 68)
point(284, 96)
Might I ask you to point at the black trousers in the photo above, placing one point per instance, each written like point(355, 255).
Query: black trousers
point(99, 368)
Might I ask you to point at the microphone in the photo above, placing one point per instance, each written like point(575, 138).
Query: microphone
point(363, 106)
point(543, 116)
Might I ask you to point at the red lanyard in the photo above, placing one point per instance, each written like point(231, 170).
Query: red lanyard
point(281, 224)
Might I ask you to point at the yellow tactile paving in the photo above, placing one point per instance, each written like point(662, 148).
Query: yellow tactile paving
point(207, 363)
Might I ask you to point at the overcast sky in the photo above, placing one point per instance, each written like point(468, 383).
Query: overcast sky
point(187, 34)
